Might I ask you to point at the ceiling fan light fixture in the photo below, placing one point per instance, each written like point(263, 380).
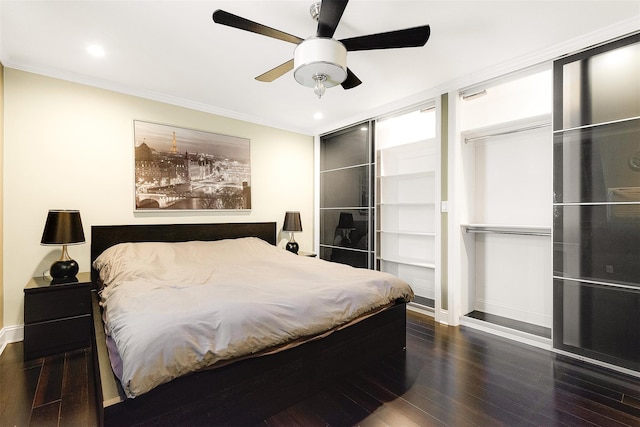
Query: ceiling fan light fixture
point(322, 55)
point(319, 88)
point(320, 63)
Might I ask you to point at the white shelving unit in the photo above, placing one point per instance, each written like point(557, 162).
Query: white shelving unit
point(406, 205)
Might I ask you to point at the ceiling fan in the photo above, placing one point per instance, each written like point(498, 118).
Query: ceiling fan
point(321, 61)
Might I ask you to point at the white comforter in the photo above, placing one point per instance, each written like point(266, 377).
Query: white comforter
point(173, 308)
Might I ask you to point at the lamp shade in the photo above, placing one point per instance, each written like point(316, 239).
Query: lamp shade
point(346, 221)
point(292, 222)
point(63, 227)
point(320, 56)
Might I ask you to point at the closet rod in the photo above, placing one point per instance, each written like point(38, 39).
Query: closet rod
point(507, 132)
point(520, 231)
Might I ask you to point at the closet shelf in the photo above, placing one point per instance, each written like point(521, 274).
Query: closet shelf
point(523, 230)
point(506, 128)
point(409, 147)
point(400, 204)
point(417, 174)
point(407, 261)
point(408, 232)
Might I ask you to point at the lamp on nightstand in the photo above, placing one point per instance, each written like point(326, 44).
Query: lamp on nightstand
point(346, 225)
point(292, 224)
point(63, 227)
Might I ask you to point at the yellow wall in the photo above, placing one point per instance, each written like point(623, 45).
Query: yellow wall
point(1, 194)
point(70, 146)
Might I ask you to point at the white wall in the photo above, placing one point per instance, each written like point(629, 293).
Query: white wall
point(70, 146)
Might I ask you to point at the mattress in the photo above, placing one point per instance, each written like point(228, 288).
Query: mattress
point(174, 308)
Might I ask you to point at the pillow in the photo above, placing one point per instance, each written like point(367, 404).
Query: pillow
point(123, 261)
point(176, 263)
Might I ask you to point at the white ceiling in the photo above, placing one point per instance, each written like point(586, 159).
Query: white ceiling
point(172, 51)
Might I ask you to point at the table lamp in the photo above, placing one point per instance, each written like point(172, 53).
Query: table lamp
point(345, 223)
point(63, 227)
point(292, 224)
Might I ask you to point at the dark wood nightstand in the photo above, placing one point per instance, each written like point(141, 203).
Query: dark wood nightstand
point(309, 254)
point(57, 317)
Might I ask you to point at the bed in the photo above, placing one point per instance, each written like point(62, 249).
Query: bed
point(241, 389)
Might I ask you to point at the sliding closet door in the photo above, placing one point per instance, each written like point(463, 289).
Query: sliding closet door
point(346, 202)
point(597, 204)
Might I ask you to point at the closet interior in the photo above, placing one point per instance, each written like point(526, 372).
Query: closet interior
point(506, 205)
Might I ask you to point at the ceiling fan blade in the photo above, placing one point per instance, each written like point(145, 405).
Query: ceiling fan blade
point(351, 81)
point(276, 72)
point(330, 13)
point(409, 37)
point(235, 21)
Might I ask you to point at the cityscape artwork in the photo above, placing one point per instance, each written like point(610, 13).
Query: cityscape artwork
point(185, 169)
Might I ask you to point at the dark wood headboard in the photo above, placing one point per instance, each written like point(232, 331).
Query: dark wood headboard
point(105, 236)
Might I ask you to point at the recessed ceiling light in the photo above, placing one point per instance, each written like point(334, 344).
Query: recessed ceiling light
point(318, 116)
point(96, 50)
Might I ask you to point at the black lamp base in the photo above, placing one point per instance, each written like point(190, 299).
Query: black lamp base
point(293, 247)
point(64, 271)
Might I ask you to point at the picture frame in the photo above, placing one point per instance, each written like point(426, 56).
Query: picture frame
point(186, 169)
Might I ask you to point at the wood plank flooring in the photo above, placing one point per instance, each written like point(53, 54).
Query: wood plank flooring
point(447, 377)
point(462, 377)
point(48, 391)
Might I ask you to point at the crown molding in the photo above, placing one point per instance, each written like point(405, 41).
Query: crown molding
point(618, 30)
point(153, 96)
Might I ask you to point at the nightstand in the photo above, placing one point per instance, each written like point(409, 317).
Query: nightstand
point(57, 317)
point(309, 254)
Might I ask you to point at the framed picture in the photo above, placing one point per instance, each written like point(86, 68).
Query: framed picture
point(186, 169)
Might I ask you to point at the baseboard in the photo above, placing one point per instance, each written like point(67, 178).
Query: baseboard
point(443, 318)
point(428, 311)
point(512, 312)
point(515, 335)
point(598, 363)
point(418, 308)
point(10, 334)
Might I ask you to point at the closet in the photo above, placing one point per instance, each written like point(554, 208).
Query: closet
point(505, 205)
point(407, 200)
point(380, 199)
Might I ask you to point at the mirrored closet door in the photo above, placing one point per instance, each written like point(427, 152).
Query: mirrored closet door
point(346, 204)
point(596, 263)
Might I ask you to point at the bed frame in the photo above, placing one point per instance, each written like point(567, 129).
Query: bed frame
point(247, 391)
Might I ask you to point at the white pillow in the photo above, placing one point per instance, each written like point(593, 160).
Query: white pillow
point(181, 262)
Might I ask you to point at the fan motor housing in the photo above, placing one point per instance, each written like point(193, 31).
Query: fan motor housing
point(320, 55)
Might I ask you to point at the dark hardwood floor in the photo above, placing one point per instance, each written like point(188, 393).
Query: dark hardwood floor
point(48, 391)
point(447, 376)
